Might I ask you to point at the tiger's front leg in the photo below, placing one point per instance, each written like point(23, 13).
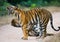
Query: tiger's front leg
point(25, 32)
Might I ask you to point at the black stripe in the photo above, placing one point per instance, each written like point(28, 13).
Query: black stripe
point(31, 15)
point(18, 17)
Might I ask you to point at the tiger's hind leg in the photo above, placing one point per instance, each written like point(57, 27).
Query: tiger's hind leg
point(42, 33)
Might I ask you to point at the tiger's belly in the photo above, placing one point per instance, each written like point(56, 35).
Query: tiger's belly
point(34, 29)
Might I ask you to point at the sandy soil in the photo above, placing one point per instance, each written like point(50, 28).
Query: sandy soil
point(5, 20)
point(9, 33)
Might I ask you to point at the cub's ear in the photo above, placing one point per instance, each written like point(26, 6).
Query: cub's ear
point(7, 7)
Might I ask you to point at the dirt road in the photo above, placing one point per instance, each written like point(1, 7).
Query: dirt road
point(9, 33)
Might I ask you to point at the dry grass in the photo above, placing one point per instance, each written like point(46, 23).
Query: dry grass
point(52, 9)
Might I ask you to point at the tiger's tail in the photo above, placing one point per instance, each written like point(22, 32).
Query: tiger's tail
point(51, 21)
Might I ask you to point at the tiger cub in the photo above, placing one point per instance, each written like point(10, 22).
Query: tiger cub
point(28, 19)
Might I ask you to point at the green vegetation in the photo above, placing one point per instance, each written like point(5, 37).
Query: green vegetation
point(26, 3)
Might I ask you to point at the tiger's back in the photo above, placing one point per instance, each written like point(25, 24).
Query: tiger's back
point(34, 14)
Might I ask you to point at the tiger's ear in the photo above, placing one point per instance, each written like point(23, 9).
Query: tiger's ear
point(16, 7)
point(7, 7)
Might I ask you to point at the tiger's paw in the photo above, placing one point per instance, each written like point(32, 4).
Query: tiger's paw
point(24, 38)
point(40, 37)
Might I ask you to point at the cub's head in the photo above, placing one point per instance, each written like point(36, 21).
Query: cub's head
point(15, 23)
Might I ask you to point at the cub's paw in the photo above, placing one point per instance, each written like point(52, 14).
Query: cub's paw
point(24, 38)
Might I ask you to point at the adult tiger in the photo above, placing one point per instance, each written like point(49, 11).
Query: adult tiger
point(28, 19)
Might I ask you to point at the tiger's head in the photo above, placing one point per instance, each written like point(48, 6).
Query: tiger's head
point(14, 11)
point(11, 9)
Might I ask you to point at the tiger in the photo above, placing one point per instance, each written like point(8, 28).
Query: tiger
point(35, 19)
